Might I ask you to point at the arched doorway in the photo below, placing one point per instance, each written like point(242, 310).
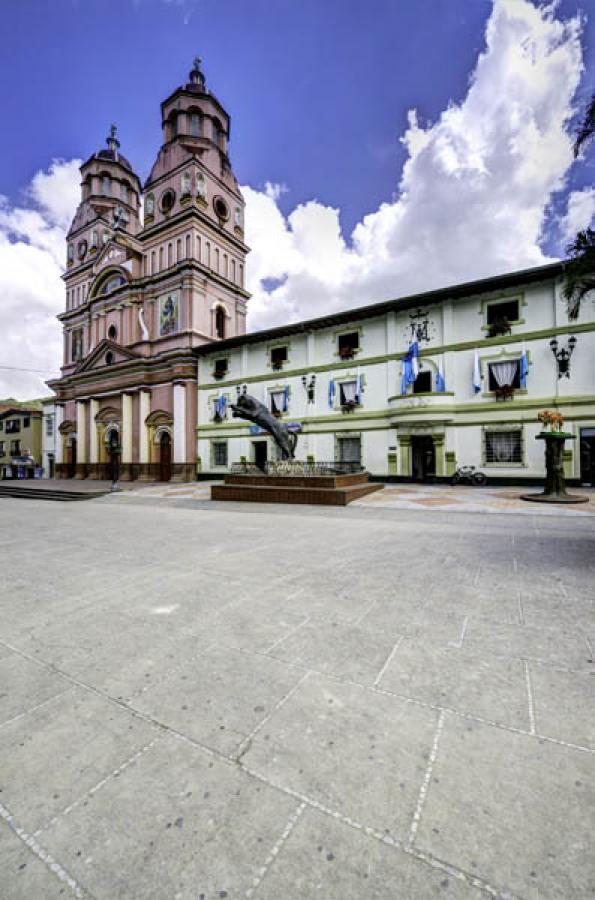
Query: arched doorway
point(164, 456)
point(71, 458)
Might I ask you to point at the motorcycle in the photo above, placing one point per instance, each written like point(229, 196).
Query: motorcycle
point(469, 475)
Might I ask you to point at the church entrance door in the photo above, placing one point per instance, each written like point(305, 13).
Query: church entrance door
point(71, 458)
point(165, 457)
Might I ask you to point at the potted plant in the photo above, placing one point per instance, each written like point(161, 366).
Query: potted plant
point(505, 392)
point(346, 352)
point(499, 327)
point(349, 405)
point(218, 374)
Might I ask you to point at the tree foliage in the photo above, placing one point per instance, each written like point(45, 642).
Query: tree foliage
point(579, 271)
point(586, 130)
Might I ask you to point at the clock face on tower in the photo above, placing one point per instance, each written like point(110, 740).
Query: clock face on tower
point(421, 326)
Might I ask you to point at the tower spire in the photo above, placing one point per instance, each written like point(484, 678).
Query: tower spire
point(196, 75)
point(112, 141)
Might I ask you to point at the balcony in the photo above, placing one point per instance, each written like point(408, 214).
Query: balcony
point(403, 405)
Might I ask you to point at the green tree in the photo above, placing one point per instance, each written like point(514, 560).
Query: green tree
point(579, 271)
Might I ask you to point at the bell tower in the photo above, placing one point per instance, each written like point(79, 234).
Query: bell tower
point(194, 213)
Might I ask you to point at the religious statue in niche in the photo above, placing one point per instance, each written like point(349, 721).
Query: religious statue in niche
point(201, 187)
point(150, 205)
point(420, 327)
point(186, 184)
point(238, 217)
point(169, 314)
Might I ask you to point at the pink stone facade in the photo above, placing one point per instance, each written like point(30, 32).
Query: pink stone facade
point(142, 294)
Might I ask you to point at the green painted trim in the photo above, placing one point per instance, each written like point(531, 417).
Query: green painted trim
point(450, 458)
point(464, 408)
point(422, 394)
point(398, 357)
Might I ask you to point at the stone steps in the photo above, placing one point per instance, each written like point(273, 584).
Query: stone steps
point(41, 493)
point(315, 489)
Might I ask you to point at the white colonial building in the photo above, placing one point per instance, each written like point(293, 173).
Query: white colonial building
point(48, 438)
point(338, 380)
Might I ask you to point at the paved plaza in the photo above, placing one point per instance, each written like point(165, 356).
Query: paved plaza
point(204, 701)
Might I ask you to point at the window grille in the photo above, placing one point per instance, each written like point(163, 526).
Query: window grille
point(219, 453)
point(349, 450)
point(504, 446)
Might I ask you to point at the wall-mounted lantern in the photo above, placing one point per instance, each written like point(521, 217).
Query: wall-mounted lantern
point(310, 387)
point(563, 355)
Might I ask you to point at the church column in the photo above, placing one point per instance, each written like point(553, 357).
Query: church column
point(179, 455)
point(144, 409)
point(81, 439)
point(126, 438)
point(59, 440)
point(93, 440)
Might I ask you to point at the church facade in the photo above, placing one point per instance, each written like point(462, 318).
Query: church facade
point(142, 293)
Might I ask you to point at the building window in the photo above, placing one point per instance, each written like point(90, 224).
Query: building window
point(77, 345)
point(423, 382)
point(349, 450)
point(178, 249)
point(233, 271)
point(348, 344)
point(153, 262)
point(2, 445)
point(505, 375)
point(207, 255)
point(106, 186)
point(26, 422)
point(188, 247)
point(279, 402)
point(241, 275)
point(217, 261)
point(500, 316)
point(278, 357)
point(169, 256)
point(49, 426)
point(221, 368)
point(219, 453)
point(112, 332)
point(124, 191)
point(503, 447)
point(109, 358)
point(13, 426)
point(220, 322)
point(15, 448)
point(348, 393)
point(168, 198)
point(161, 259)
point(150, 205)
point(225, 266)
point(195, 125)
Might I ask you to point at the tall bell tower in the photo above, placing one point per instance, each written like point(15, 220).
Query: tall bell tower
point(194, 210)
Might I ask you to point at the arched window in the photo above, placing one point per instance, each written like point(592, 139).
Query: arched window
point(207, 255)
point(124, 191)
point(106, 186)
point(153, 262)
point(178, 249)
point(161, 259)
point(225, 266)
point(188, 246)
point(241, 275)
point(112, 332)
point(217, 261)
point(111, 283)
point(220, 322)
point(233, 271)
point(174, 124)
point(169, 256)
point(195, 124)
point(150, 205)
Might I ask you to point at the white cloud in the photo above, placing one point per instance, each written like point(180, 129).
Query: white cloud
point(32, 251)
point(580, 212)
point(471, 202)
point(473, 193)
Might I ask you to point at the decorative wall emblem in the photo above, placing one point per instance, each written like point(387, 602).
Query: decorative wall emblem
point(169, 313)
point(420, 326)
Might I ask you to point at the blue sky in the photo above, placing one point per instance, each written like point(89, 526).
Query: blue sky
point(383, 147)
point(318, 90)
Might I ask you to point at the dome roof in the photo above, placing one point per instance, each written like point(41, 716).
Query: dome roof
point(114, 156)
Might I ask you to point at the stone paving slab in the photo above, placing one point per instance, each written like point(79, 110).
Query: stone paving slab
point(252, 620)
point(512, 808)
point(202, 830)
point(328, 859)
point(360, 753)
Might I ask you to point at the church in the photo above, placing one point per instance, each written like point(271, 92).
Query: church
point(143, 293)
point(156, 349)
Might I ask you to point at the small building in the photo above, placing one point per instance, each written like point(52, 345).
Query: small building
point(20, 442)
point(48, 438)
point(492, 354)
